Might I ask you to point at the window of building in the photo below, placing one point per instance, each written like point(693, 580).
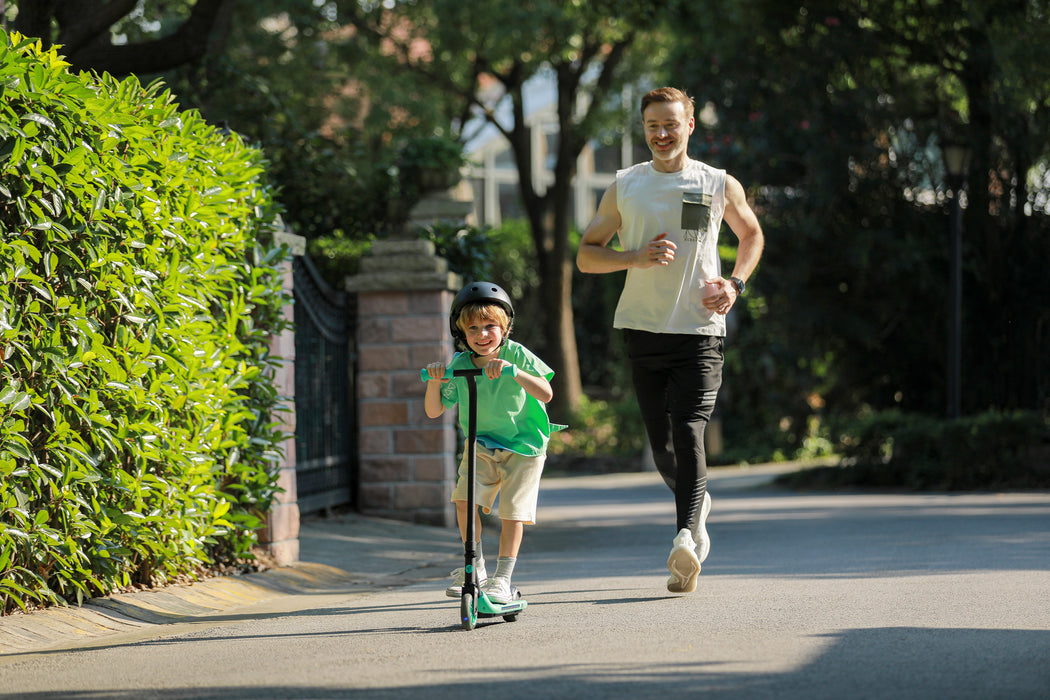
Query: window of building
point(510, 206)
point(607, 157)
point(504, 157)
point(477, 186)
point(550, 158)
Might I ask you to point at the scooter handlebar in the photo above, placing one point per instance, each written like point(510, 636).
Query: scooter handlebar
point(424, 374)
point(509, 370)
point(449, 373)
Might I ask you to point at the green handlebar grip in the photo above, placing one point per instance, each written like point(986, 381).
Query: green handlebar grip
point(449, 373)
point(425, 375)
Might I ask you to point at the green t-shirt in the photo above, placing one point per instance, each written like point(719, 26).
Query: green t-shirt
point(508, 417)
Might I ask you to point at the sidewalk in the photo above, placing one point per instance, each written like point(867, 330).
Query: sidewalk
point(346, 554)
point(342, 555)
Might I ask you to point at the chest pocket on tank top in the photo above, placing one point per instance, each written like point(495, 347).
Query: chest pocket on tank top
point(696, 214)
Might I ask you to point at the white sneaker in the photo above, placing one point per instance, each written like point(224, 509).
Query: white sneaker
point(458, 577)
point(700, 537)
point(683, 564)
point(498, 590)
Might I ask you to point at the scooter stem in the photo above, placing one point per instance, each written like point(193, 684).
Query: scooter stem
point(470, 574)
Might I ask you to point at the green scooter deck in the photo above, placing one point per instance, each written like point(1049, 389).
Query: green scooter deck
point(472, 609)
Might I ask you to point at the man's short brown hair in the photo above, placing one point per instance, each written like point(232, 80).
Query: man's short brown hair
point(669, 94)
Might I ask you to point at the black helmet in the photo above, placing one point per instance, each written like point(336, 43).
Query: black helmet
point(478, 291)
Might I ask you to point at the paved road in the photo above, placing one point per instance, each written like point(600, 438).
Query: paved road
point(803, 596)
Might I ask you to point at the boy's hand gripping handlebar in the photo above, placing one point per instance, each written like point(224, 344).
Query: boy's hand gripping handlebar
point(508, 371)
point(424, 374)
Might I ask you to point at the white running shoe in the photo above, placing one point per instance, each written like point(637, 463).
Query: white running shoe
point(683, 564)
point(700, 537)
point(498, 590)
point(458, 577)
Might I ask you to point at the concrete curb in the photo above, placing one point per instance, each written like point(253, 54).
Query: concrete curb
point(125, 612)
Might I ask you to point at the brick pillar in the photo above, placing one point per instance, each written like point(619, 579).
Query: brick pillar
point(279, 536)
point(407, 462)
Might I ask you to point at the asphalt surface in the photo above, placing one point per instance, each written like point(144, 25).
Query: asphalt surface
point(347, 553)
point(805, 595)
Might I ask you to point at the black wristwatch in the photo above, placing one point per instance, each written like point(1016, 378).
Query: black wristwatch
point(739, 284)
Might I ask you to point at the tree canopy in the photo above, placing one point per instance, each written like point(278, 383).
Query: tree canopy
point(831, 112)
point(122, 37)
point(483, 55)
point(836, 113)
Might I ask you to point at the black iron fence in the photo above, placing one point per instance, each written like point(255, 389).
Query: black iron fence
point(325, 436)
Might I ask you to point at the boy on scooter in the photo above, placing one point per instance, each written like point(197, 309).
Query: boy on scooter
point(512, 425)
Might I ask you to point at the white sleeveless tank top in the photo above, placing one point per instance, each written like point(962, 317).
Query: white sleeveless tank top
point(688, 206)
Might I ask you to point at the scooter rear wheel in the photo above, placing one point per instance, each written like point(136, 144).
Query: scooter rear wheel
point(513, 616)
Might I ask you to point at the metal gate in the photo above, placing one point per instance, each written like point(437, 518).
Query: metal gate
point(326, 434)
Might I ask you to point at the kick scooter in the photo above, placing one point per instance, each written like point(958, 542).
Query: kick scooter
point(473, 603)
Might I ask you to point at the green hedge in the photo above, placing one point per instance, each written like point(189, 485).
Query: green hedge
point(139, 290)
point(908, 451)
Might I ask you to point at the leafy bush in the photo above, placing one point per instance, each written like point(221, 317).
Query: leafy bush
point(136, 308)
point(602, 428)
point(429, 163)
point(338, 255)
point(910, 451)
point(469, 250)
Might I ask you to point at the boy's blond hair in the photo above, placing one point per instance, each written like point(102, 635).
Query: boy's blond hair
point(485, 311)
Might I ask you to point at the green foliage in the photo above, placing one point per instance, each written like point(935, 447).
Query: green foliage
point(328, 182)
point(602, 428)
point(337, 255)
point(471, 252)
point(429, 163)
point(486, 58)
point(329, 110)
point(514, 266)
point(468, 249)
point(832, 114)
point(896, 450)
point(139, 292)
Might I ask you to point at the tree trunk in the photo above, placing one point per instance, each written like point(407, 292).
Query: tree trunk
point(562, 329)
point(556, 290)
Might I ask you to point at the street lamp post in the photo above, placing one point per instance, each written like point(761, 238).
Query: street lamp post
point(956, 165)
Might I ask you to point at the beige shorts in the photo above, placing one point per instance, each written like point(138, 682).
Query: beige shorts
point(515, 478)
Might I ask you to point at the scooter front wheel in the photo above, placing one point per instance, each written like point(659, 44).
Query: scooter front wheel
point(468, 611)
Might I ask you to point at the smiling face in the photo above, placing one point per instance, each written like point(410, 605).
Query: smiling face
point(667, 129)
point(484, 326)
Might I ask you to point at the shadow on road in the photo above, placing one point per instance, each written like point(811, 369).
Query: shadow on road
point(970, 663)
